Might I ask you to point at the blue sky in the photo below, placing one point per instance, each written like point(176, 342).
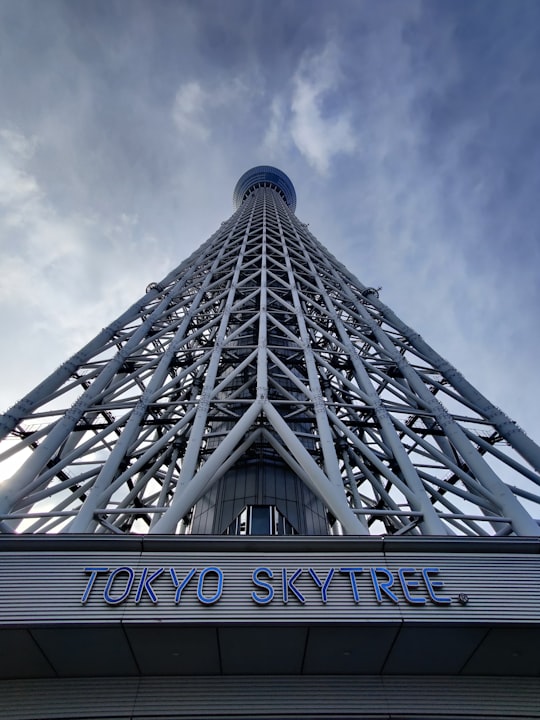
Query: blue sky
point(409, 129)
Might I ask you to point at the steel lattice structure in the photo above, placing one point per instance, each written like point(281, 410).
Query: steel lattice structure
point(258, 370)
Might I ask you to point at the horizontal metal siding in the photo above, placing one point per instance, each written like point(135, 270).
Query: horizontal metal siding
point(270, 697)
point(42, 587)
point(476, 696)
point(46, 588)
point(273, 696)
point(68, 698)
point(500, 587)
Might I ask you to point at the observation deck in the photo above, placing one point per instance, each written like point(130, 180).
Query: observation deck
point(264, 176)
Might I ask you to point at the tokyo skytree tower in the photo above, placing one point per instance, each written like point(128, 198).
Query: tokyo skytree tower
point(261, 389)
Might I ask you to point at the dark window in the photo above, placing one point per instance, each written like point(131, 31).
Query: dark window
point(260, 520)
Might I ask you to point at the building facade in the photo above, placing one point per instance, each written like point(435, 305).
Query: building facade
point(258, 493)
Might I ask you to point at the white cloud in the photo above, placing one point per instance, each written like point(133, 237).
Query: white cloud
point(30, 230)
point(17, 144)
point(64, 274)
point(274, 138)
point(17, 187)
point(199, 109)
point(318, 133)
point(189, 111)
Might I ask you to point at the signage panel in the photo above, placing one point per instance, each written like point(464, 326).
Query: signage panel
point(50, 587)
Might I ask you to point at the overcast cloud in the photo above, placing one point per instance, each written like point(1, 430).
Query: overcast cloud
point(409, 129)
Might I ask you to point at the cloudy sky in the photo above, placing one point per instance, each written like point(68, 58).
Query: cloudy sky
point(410, 130)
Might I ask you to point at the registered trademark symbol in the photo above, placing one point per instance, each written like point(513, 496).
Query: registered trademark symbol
point(463, 598)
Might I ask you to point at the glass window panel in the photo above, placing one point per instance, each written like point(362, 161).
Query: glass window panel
point(260, 520)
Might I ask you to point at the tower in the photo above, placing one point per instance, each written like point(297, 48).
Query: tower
point(259, 494)
point(261, 389)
